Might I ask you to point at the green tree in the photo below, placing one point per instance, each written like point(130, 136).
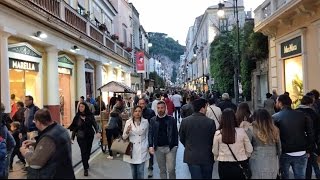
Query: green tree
point(174, 74)
point(222, 63)
point(254, 46)
point(158, 81)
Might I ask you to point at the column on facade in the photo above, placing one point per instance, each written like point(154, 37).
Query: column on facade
point(128, 79)
point(81, 81)
point(119, 75)
point(110, 74)
point(5, 83)
point(53, 100)
point(99, 77)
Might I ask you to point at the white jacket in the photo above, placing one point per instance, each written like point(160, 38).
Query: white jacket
point(214, 112)
point(139, 137)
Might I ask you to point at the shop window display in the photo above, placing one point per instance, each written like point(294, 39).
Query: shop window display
point(65, 99)
point(294, 79)
point(22, 83)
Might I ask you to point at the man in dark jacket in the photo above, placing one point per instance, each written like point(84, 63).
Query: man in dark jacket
point(187, 109)
point(306, 108)
point(196, 134)
point(51, 158)
point(147, 113)
point(31, 109)
point(226, 103)
point(163, 141)
point(296, 135)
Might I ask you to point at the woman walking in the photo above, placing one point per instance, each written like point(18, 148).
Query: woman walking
point(269, 104)
point(136, 129)
point(243, 116)
point(264, 161)
point(82, 127)
point(230, 141)
point(113, 130)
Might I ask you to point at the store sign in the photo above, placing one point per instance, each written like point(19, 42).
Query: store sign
point(140, 62)
point(291, 47)
point(62, 70)
point(23, 65)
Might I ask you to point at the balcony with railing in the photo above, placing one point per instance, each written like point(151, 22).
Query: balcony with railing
point(268, 8)
point(66, 13)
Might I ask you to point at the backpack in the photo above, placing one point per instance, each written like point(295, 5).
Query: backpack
point(3, 157)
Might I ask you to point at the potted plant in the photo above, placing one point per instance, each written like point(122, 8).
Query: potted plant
point(114, 37)
point(121, 44)
point(102, 27)
point(129, 49)
point(87, 15)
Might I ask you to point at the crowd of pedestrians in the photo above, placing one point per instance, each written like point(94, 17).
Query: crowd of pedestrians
point(247, 144)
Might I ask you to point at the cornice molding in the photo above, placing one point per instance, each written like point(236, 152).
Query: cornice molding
point(56, 23)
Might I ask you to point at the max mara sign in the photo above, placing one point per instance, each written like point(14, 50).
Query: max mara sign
point(23, 65)
point(291, 47)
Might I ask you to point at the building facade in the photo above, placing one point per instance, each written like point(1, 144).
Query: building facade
point(200, 36)
point(57, 51)
point(293, 28)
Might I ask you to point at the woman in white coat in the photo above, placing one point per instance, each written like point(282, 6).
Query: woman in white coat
point(136, 129)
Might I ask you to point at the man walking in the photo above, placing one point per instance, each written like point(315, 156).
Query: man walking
point(29, 126)
point(196, 134)
point(296, 135)
point(177, 100)
point(147, 113)
point(155, 102)
point(163, 141)
point(51, 158)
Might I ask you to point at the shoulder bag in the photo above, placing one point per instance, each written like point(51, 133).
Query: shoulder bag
point(244, 166)
point(215, 115)
point(122, 146)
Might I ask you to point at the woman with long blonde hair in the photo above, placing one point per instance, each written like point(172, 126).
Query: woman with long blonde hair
point(264, 161)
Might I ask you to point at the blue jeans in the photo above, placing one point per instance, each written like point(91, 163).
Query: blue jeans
point(201, 171)
point(137, 171)
point(298, 164)
point(9, 153)
point(312, 163)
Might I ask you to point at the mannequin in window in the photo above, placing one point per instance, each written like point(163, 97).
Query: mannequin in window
point(62, 107)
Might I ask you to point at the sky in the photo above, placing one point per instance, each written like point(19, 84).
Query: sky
point(174, 17)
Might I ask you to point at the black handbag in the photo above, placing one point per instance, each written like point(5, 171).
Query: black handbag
point(244, 166)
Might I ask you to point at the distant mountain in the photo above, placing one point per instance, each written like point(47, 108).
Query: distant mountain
point(165, 46)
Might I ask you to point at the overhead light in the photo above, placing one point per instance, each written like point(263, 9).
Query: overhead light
point(75, 48)
point(220, 10)
point(40, 34)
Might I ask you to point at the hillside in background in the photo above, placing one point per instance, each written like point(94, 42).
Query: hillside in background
point(165, 46)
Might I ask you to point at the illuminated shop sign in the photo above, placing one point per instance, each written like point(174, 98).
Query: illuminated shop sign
point(62, 70)
point(291, 47)
point(23, 65)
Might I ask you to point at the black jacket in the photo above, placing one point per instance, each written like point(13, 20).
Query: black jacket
point(148, 113)
point(296, 133)
point(227, 104)
point(315, 124)
point(196, 134)
point(172, 131)
point(86, 127)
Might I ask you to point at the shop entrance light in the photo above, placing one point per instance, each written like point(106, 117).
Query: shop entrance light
point(40, 34)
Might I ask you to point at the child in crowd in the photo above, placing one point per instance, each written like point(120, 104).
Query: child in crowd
point(15, 130)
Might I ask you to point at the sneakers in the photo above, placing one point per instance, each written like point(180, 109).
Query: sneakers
point(150, 173)
point(109, 157)
point(118, 155)
point(86, 173)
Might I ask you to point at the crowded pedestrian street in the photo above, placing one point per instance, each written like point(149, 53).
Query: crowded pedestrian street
point(159, 89)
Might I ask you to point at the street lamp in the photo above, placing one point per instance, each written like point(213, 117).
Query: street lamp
point(236, 66)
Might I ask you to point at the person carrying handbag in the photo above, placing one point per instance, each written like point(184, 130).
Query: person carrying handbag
point(231, 148)
point(113, 130)
point(136, 130)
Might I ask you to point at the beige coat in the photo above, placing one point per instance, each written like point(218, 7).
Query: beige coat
point(242, 148)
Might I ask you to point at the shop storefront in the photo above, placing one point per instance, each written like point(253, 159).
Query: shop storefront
point(293, 68)
point(25, 72)
point(65, 70)
point(89, 74)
